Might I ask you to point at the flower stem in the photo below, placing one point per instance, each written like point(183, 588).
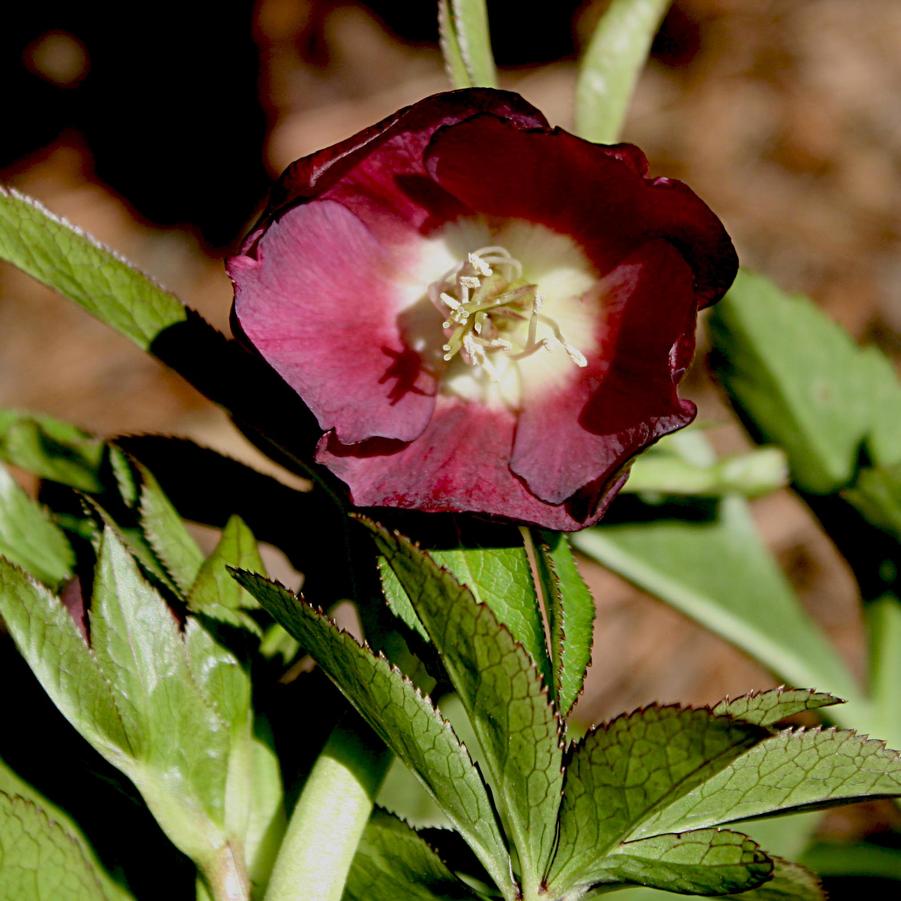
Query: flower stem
point(330, 815)
point(226, 877)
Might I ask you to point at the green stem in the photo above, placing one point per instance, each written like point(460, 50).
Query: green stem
point(330, 816)
point(226, 876)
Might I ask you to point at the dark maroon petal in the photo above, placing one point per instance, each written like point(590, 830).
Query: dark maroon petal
point(317, 301)
point(626, 397)
point(460, 463)
point(382, 169)
point(596, 194)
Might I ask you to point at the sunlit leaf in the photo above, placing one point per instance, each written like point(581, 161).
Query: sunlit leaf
point(51, 449)
point(799, 381)
point(66, 259)
point(29, 537)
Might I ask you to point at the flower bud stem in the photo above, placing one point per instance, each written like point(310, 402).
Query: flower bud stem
point(330, 816)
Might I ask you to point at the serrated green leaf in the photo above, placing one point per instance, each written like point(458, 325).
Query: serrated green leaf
point(29, 537)
point(707, 862)
point(570, 613)
point(790, 771)
point(393, 862)
point(466, 43)
point(800, 381)
point(181, 745)
point(500, 687)
point(102, 282)
point(622, 772)
point(752, 474)
point(51, 644)
point(790, 882)
point(40, 860)
point(496, 569)
point(612, 63)
point(13, 785)
point(876, 495)
point(718, 571)
point(400, 715)
point(51, 449)
point(397, 599)
point(767, 707)
point(166, 533)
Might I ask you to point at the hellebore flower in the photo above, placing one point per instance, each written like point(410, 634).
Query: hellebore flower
point(484, 313)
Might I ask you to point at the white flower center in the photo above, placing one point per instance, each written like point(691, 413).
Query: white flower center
point(485, 298)
point(502, 310)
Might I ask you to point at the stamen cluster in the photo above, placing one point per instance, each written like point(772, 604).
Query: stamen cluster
point(484, 296)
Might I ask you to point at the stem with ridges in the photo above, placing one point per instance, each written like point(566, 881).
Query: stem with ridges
point(330, 816)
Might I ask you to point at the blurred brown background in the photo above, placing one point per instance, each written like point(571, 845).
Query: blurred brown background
point(158, 130)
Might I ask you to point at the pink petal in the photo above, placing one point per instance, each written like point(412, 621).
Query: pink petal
point(626, 398)
point(318, 302)
point(458, 464)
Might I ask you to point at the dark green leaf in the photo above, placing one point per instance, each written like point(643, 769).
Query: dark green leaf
point(51, 449)
point(789, 882)
point(801, 382)
point(877, 497)
point(64, 258)
point(393, 862)
point(767, 707)
point(29, 537)
point(402, 717)
point(500, 687)
point(42, 861)
point(707, 862)
point(862, 859)
point(570, 613)
point(790, 771)
point(718, 571)
point(612, 63)
point(622, 772)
